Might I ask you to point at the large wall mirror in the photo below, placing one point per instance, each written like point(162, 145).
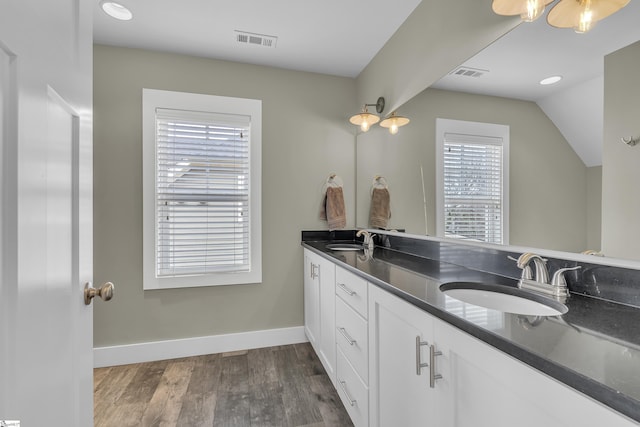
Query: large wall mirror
point(556, 134)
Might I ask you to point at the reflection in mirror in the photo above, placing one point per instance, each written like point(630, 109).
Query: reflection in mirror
point(556, 134)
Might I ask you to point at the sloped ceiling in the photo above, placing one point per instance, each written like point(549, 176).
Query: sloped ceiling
point(513, 66)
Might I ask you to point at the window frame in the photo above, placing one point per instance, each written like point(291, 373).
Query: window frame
point(476, 129)
point(153, 99)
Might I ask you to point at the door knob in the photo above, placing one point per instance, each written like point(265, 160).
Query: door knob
point(105, 292)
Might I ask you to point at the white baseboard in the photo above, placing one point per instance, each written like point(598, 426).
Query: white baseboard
point(187, 347)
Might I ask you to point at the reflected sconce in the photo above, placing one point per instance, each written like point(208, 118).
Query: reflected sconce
point(581, 15)
point(393, 122)
point(365, 119)
point(529, 10)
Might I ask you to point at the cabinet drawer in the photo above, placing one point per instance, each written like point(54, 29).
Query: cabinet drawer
point(353, 290)
point(353, 392)
point(352, 338)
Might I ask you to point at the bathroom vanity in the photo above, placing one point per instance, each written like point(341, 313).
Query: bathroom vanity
point(401, 352)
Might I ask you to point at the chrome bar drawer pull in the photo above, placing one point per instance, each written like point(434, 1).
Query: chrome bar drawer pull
point(313, 270)
point(347, 290)
point(432, 371)
point(346, 336)
point(352, 402)
point(419, 364)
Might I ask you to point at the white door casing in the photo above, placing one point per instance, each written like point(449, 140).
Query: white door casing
point(46, 185)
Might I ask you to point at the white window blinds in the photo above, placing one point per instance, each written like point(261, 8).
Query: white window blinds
point(202, 193)
point(473, 187)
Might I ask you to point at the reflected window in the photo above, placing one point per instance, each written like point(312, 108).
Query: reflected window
point(492, 320)
point(472, 181)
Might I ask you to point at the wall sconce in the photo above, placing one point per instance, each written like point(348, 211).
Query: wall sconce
point(366, 119)
point(394, 122)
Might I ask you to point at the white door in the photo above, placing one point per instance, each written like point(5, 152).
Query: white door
point(46, 188)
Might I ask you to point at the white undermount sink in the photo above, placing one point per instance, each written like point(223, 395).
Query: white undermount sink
point(344, 247)
point(504, 298)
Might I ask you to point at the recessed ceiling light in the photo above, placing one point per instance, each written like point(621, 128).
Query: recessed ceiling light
point(116, 10)
point(550, 80)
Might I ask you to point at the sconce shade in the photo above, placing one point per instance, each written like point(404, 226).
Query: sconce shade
point(364, 120)
point(529, 10)
point(581, 15)
point(394, 122)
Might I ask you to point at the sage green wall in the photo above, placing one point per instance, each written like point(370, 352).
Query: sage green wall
point(305, 137)
point(594, 208)
point(620, 163)
point(548, 185)
point(437, 37)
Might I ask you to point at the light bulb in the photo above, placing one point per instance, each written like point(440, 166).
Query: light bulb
point(393, 129)
point(364, 126)
point(586, 20)
point(533, 11)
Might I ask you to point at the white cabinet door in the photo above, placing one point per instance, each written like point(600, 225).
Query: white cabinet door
point(327, 350)
point(312, 298)
point(319, 308)
point(484, 387)
point(400, 393)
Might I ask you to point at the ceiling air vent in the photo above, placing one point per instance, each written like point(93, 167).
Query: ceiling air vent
point(468, 72)
point(256, 39)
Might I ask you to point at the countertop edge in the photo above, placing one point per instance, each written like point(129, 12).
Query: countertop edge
point(603, 394)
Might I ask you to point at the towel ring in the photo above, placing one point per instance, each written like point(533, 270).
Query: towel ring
point(380, 182)
point(630, 141)
point(333, 180)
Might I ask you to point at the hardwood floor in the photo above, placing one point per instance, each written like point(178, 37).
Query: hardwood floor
point(276, 386)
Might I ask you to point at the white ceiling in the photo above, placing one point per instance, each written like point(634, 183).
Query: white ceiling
point(532, 51)
point(334, 37)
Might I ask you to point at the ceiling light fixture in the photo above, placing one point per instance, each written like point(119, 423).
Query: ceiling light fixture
point(529, 10)
point(550, 80)
point(116, 10)
point(394, 122)
point(581, 15)
point(365, 119)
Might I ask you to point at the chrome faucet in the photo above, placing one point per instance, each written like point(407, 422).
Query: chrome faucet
point(542, 274)
point(368, 239)
point(557, 287)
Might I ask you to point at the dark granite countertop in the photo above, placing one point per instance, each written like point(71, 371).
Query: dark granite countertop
point(594, 348)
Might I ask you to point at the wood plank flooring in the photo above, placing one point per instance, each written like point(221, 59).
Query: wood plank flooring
point(277, 386)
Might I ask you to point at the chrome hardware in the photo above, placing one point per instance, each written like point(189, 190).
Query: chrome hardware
point(559, 281)
point(352, 402)
point(346, 336)
point(347, 290)
point(527, 274)
point(368, 239)
point(542, 274)
point(419, 364)
point(314, 274)
point(432, 370)
point(105, 291)
point(557, 287)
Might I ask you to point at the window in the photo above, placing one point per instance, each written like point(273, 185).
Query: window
point(472, 181)
point(201, 190)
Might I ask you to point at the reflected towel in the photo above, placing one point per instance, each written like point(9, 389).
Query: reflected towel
point(380, 210)
point(333, 208)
